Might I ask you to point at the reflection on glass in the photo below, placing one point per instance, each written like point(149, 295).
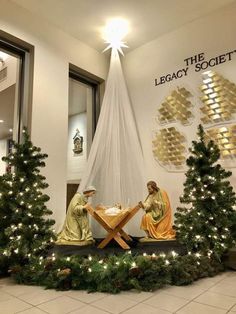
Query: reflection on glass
point(8, 81)
point(79, 133)
point(79, 128)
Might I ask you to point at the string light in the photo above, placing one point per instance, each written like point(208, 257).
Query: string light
point(174, 254)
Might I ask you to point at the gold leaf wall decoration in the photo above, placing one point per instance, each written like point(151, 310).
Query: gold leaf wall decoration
point(168, 147)
point(176, 107)
point(219, 98)
point(225, 138)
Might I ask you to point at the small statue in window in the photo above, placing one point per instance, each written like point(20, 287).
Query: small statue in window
point(78, 142)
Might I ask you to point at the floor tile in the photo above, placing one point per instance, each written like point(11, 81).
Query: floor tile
point(7, 281)
point(114, 304)
point(86, 297)
point(17, 290)
point(233, 309)
point(5, 296)
point(136, 295)
point(61, 305)
point(32, 310)
point(225, 289)
point(144, 309)
point(229, 280)
point(166, 302)
point(206, 283)
point(197, 308)
point(40, 296)
point(13, 305)
point(187, 292)
point(88, 309)
point(216, 299)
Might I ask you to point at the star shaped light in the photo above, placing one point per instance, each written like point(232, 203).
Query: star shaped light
point(114, 32)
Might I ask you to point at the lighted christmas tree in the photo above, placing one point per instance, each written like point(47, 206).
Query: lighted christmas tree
point(24, 230)
point(207, 222)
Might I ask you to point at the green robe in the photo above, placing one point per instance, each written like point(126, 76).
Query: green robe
point(76, 228)
point(155, 205)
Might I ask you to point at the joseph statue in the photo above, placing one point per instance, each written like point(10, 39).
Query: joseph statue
point(76, 230)
point(157, 220)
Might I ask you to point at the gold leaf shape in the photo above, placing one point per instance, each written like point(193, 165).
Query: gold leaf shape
point(169, 147)
point(219, 99)
point(176, 107)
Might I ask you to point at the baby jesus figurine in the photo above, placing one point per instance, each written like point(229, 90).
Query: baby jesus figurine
point(118, 205)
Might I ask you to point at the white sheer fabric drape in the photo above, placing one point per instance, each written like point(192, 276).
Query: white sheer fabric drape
point(115, 164)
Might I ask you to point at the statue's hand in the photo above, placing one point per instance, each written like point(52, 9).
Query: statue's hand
point(141, 204)
point(86, 206)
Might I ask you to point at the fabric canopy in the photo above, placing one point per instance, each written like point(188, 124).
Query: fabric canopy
point(115, 164)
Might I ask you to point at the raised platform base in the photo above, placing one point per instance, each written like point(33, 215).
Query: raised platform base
point(136, 246)
point(230, 259)
point(146, 239)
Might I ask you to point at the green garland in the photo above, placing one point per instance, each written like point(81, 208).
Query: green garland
point(116, 273)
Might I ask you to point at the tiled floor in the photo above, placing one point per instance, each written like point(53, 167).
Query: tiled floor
point(215, 295)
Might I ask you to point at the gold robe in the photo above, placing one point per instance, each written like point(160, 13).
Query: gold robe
point(76, 228)
point(157, 220)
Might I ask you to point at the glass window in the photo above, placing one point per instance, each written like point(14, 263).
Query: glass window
point(16, 79)
point(79, 128)
point(82, 118)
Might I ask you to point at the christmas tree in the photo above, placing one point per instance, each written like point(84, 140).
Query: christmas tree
point(24, 230)
point(206, 224)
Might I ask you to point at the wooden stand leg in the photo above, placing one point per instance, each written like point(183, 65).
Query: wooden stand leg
point(125, 235)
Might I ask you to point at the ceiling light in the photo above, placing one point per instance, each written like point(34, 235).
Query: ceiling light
point(114, 32)
point(10, 130)
point(3, 55)
point(1, 121)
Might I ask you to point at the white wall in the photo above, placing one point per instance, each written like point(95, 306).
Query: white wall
point(76, 162)
point(54, 50)
point(214, 35)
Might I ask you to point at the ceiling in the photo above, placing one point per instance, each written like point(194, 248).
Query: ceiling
point(148, 19)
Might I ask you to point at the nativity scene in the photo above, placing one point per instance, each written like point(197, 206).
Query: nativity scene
point(109, 209)
point(116, 167)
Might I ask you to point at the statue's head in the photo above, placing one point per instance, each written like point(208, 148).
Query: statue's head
point(152, 187)
point(89, 191)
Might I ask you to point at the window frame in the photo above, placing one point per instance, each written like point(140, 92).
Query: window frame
point(96, 83)
point(25, 52)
